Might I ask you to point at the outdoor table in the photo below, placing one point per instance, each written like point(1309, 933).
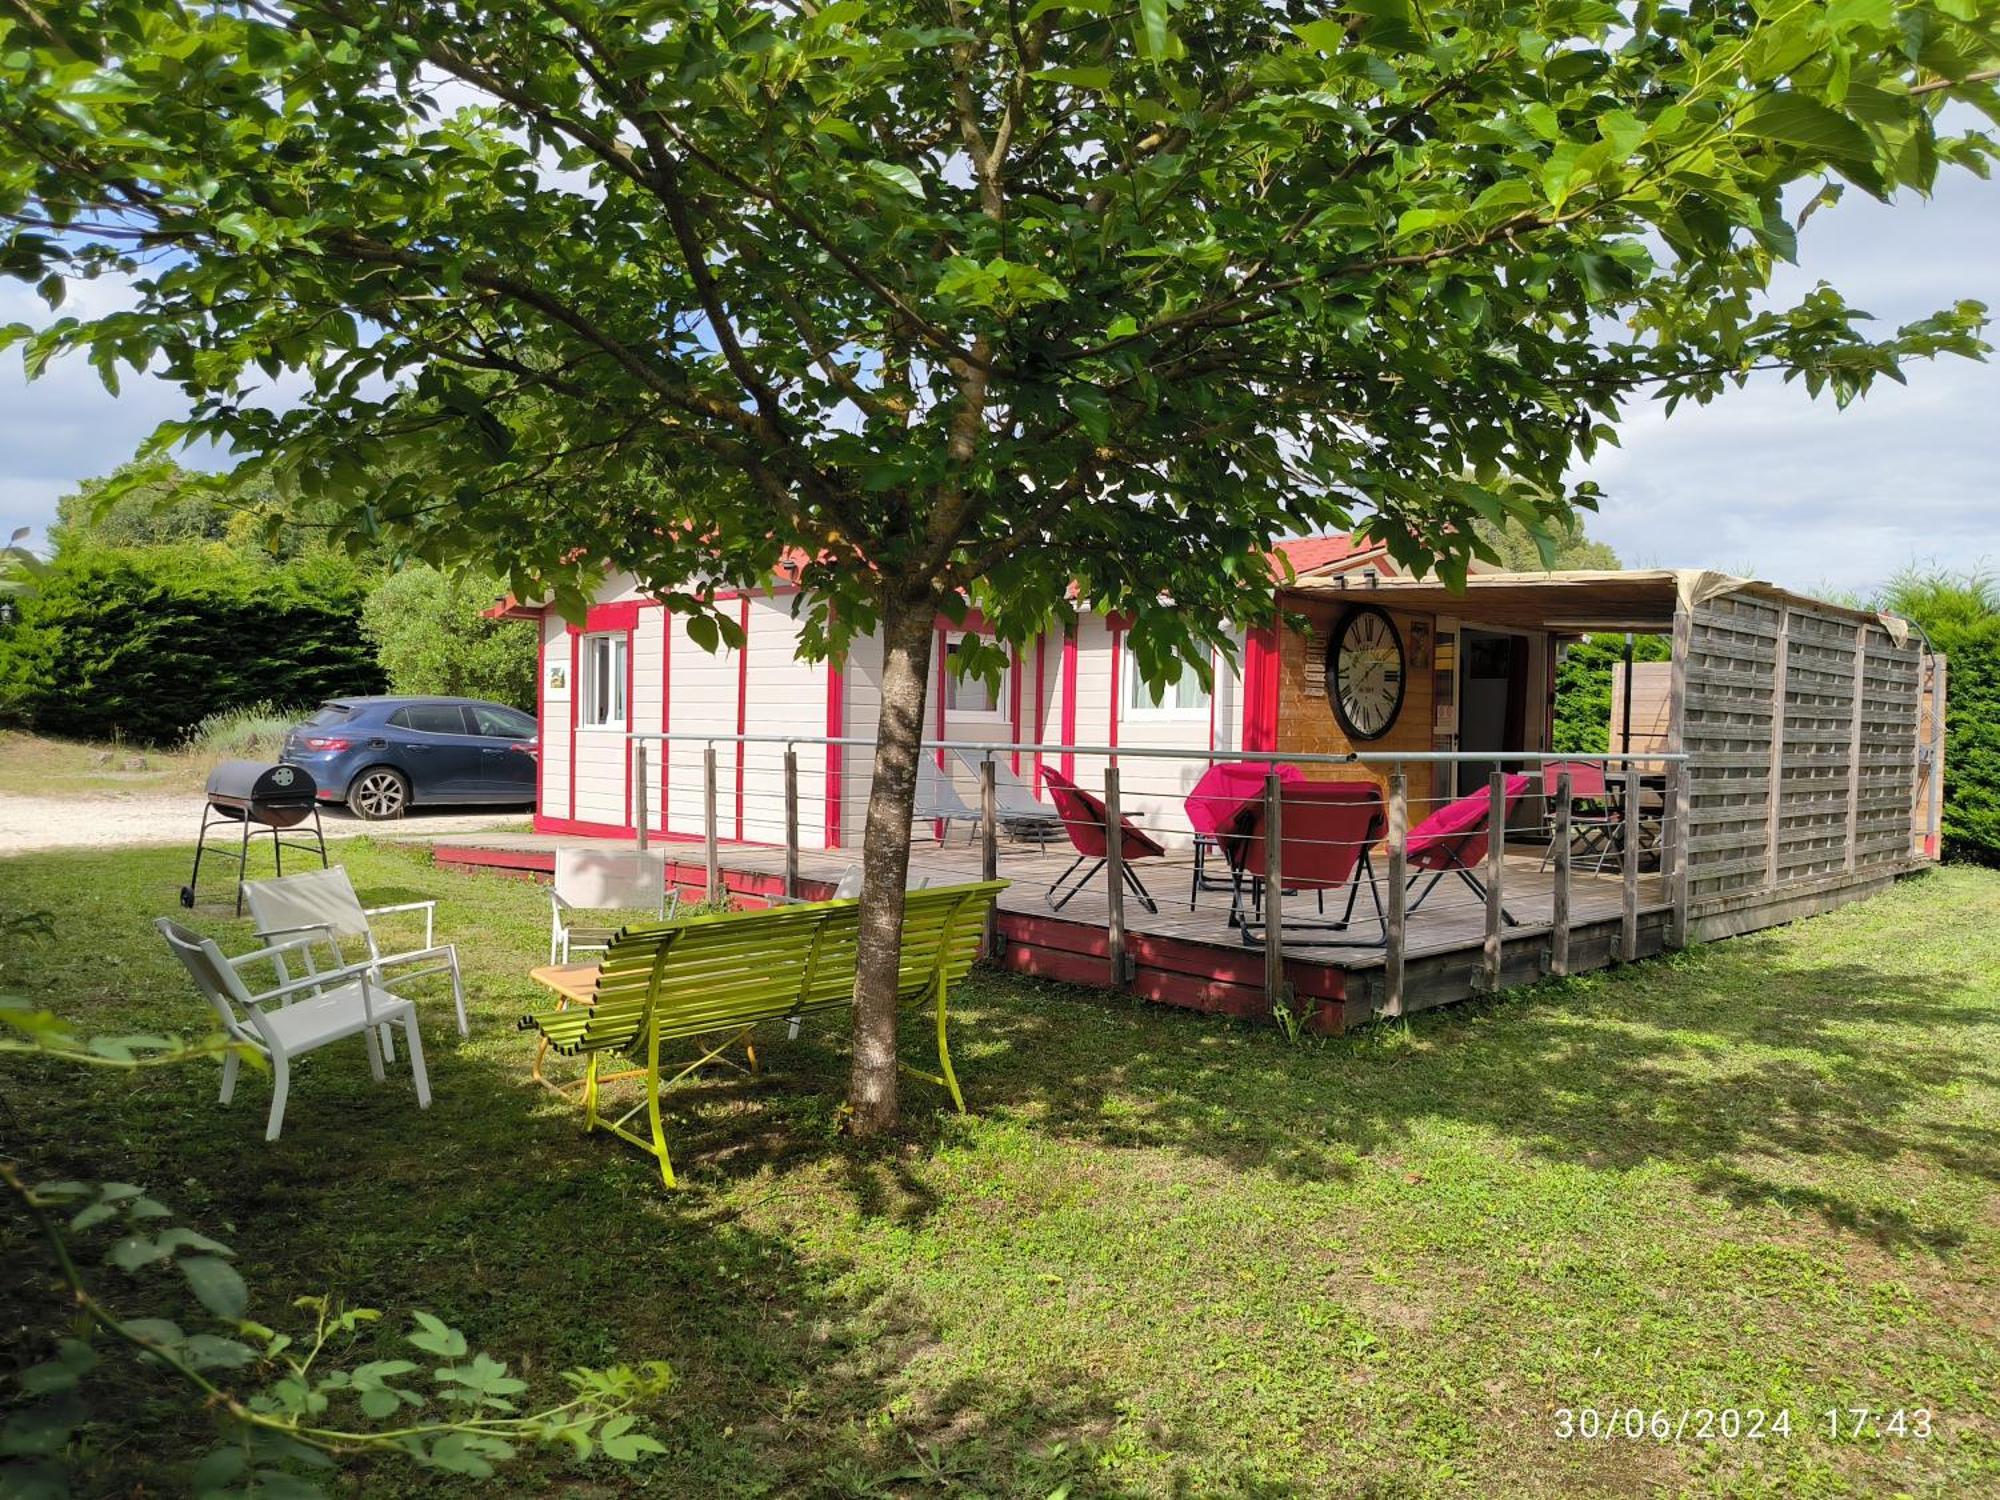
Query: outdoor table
point(573, 984)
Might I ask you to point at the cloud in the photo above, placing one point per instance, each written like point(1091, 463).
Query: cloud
point(1768, 481)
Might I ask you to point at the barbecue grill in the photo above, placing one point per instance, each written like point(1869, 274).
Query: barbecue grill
point(256, 798)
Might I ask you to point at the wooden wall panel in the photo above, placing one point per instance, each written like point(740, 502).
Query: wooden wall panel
point(1843, 748)
point(1728, 721)
point(1306, 722)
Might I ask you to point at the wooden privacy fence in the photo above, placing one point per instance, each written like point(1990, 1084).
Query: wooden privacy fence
point(1804, 733)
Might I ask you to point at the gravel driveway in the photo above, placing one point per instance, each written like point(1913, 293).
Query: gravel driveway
point(29, 823)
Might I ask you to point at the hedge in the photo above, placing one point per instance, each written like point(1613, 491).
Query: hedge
point(142, 643)
point(1583, 688)
point(1972, 740)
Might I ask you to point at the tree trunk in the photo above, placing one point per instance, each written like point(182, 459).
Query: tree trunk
point(907, 636)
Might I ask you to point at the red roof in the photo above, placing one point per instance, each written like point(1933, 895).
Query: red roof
point(1308, 554)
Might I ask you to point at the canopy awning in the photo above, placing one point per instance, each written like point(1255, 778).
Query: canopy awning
point(1579, 602)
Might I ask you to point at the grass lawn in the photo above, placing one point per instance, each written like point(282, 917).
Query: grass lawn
point(1163, 1255)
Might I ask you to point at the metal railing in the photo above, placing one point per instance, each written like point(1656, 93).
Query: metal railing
point(770, 801)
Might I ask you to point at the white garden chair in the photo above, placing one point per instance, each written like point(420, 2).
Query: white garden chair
point(298, 1015)
point(322, 904)
point(601, 880)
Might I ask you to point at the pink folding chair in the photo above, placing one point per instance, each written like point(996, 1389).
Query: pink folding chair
point(1453, 841)
point(1327, 829)
point(1089, 828)
point(1596, 825)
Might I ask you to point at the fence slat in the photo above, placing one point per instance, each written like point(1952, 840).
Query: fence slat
point(1628, 929)
point(1496, 866)
point(1399, 878)
point(791, 823)
point(1559, 915)
point(989, 846)
point(710, 847)
point(1274, 891)
point(1114, 880)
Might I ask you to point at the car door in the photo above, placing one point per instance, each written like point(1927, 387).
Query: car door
point(439, 752)
point(507, 752)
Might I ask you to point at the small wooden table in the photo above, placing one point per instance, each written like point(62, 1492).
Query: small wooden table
point(571, 982)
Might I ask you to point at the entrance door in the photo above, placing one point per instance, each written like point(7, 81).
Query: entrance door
point(1492, 701)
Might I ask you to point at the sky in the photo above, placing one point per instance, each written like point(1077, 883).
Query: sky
point(1764, 481)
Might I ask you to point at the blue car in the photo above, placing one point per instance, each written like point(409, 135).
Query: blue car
point(382, 756)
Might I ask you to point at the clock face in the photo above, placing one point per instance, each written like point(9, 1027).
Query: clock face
point(1364, 672)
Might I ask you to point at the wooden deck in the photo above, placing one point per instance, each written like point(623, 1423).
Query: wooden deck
point(1182, 956)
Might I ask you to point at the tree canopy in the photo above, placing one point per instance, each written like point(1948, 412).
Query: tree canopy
point(971, 302)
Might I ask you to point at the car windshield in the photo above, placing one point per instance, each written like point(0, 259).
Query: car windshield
point(329, 714)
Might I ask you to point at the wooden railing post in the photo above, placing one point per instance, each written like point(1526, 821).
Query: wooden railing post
point(639, 798)
point(1854, 745)
point(1628, 929)
point(709, 846)
point(1559, 915)
point(1114, 878)
point(791, 822)
point(1274, 891)
point(1399, 880)
point(1496, 867)
point(989, 844)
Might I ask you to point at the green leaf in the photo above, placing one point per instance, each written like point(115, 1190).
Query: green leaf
point(1153, 30)
point(896, 176)
point(1798, 121)
point(432, 1334)
point(216, 1285)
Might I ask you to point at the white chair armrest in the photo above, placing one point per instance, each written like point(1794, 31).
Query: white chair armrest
point(415, 955)
point(314, 981)
point(428, 908)
point(561, 903)
point(325, 929)
point(270, 954)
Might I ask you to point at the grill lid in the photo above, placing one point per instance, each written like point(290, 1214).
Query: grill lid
point(248, 782)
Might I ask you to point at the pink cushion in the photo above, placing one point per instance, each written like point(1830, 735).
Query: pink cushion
point(1227, 789)
point(1456, 833)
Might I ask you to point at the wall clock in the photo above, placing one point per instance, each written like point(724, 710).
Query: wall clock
point(1365, 672)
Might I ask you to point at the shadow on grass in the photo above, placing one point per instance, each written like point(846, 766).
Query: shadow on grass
point(1708, 1062)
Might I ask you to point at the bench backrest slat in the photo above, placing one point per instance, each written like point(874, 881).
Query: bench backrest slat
point(706, 973)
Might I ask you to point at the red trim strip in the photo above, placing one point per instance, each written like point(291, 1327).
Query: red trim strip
point(541, 713)
point(667, 707)
point(742, 704)
point(621, 616)
point(1117, 671)
point(1041, 704)
point(938, 650)
point(1068, 757)
point(1014, 705)
point(575, 659)
point(1260, 689)
point(631, 707)
point(836, 726)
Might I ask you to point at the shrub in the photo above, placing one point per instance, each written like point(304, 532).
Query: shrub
point(1960, 613)
point(145, 643)
point(1583, 688)
point(431, 638)
point(255, 732)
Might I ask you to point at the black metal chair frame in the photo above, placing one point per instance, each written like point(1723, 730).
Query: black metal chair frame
point(1138, 886)
point(1478, 887)
point(1365, 868)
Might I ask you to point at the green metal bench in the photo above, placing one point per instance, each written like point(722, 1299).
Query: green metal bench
point(724, 976)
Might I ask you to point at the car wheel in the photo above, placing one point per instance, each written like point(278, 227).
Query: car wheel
point(378, 794)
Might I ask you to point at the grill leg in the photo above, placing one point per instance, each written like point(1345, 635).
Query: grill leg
point(242, 872)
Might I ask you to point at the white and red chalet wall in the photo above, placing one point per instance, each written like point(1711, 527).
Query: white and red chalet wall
point(1062, 689)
